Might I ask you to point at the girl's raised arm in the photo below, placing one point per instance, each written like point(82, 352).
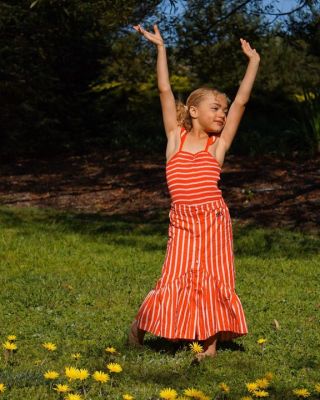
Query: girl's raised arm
point(168, 104)
point(238, 105)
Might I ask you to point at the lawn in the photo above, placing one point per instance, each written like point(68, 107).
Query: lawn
point(77, 280)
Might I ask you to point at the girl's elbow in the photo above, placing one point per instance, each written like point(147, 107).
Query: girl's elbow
point(164, 88)
point(241, 102)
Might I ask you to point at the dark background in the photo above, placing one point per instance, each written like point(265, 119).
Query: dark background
point(75, 77)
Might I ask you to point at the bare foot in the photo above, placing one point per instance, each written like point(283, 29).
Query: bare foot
point(210, 349)
point(136, 335)
point(202, 355)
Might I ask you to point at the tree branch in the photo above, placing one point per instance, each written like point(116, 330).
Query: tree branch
point(233, 11)
point(288, 12)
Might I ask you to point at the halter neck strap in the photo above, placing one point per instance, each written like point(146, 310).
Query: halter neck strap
point(210, 141)
point(183, 135)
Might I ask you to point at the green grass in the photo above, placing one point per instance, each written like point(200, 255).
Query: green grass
point(77, 280)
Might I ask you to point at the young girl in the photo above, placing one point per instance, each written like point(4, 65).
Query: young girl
point(195, 298)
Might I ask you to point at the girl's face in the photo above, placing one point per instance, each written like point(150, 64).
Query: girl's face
point(212, 113)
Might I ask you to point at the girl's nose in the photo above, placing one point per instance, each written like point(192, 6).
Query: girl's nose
point(222, 114)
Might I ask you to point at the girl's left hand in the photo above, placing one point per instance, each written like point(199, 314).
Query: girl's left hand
point(248, 51)
point(153, 37)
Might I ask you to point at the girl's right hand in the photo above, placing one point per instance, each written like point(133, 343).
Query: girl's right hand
point(248, 51)
point(153, 37)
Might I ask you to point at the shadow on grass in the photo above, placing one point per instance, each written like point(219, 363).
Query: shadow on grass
point(137, 230)
point(162, 345)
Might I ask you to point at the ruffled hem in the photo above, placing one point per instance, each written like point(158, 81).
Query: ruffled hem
point(194, 306)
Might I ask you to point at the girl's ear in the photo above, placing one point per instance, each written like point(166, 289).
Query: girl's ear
point(193, 111)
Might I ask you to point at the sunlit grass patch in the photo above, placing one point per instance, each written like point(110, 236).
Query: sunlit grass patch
point(74, 282)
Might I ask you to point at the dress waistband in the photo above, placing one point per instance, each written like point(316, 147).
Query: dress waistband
point(212, 205)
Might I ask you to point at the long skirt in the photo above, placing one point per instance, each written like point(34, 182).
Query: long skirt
point(195, 296)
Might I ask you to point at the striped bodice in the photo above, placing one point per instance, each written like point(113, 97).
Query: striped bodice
point(192, 178)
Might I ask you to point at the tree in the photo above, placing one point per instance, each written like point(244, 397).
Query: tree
point(208, 43)
point(51, 52)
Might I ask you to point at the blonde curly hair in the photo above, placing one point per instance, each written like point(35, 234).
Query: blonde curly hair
point(183, 116)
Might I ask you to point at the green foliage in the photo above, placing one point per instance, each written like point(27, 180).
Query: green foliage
point(308, 119)
point(74, 74)
point(212, 48)
point(209, 44)
point(50, 55)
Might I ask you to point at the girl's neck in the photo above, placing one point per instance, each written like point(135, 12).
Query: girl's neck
point(198, 133)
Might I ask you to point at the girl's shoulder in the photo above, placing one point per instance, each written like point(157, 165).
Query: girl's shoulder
point(175, 140)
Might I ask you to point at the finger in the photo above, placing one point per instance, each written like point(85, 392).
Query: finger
point(144, 32)
point(244, 43)
point(247, 46)
point(137, 28)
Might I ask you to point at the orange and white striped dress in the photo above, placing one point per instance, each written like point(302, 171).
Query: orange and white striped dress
point(195, 296)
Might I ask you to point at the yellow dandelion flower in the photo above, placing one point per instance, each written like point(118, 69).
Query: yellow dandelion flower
point(2, 387)
point(262, 383)
point(301, 392)
point(127, 397)
point(62, 388)
point(76, 356)
point(73, 396)
point(260, 393)
point(196, 347)
point(9, 346)
point(224, 387)
point(100, 376)
point(168, 394)
point(49, 346)
point(261, 341)
point(252, 386)
point(204, 397)
point(317, 387)
point(12, 338)
point(82, 374)
point(111, 350)
point(269, 376)
point(246, 398)
point(114, 367)
point(191, 392)
point(71, 373)
point(51, 375)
